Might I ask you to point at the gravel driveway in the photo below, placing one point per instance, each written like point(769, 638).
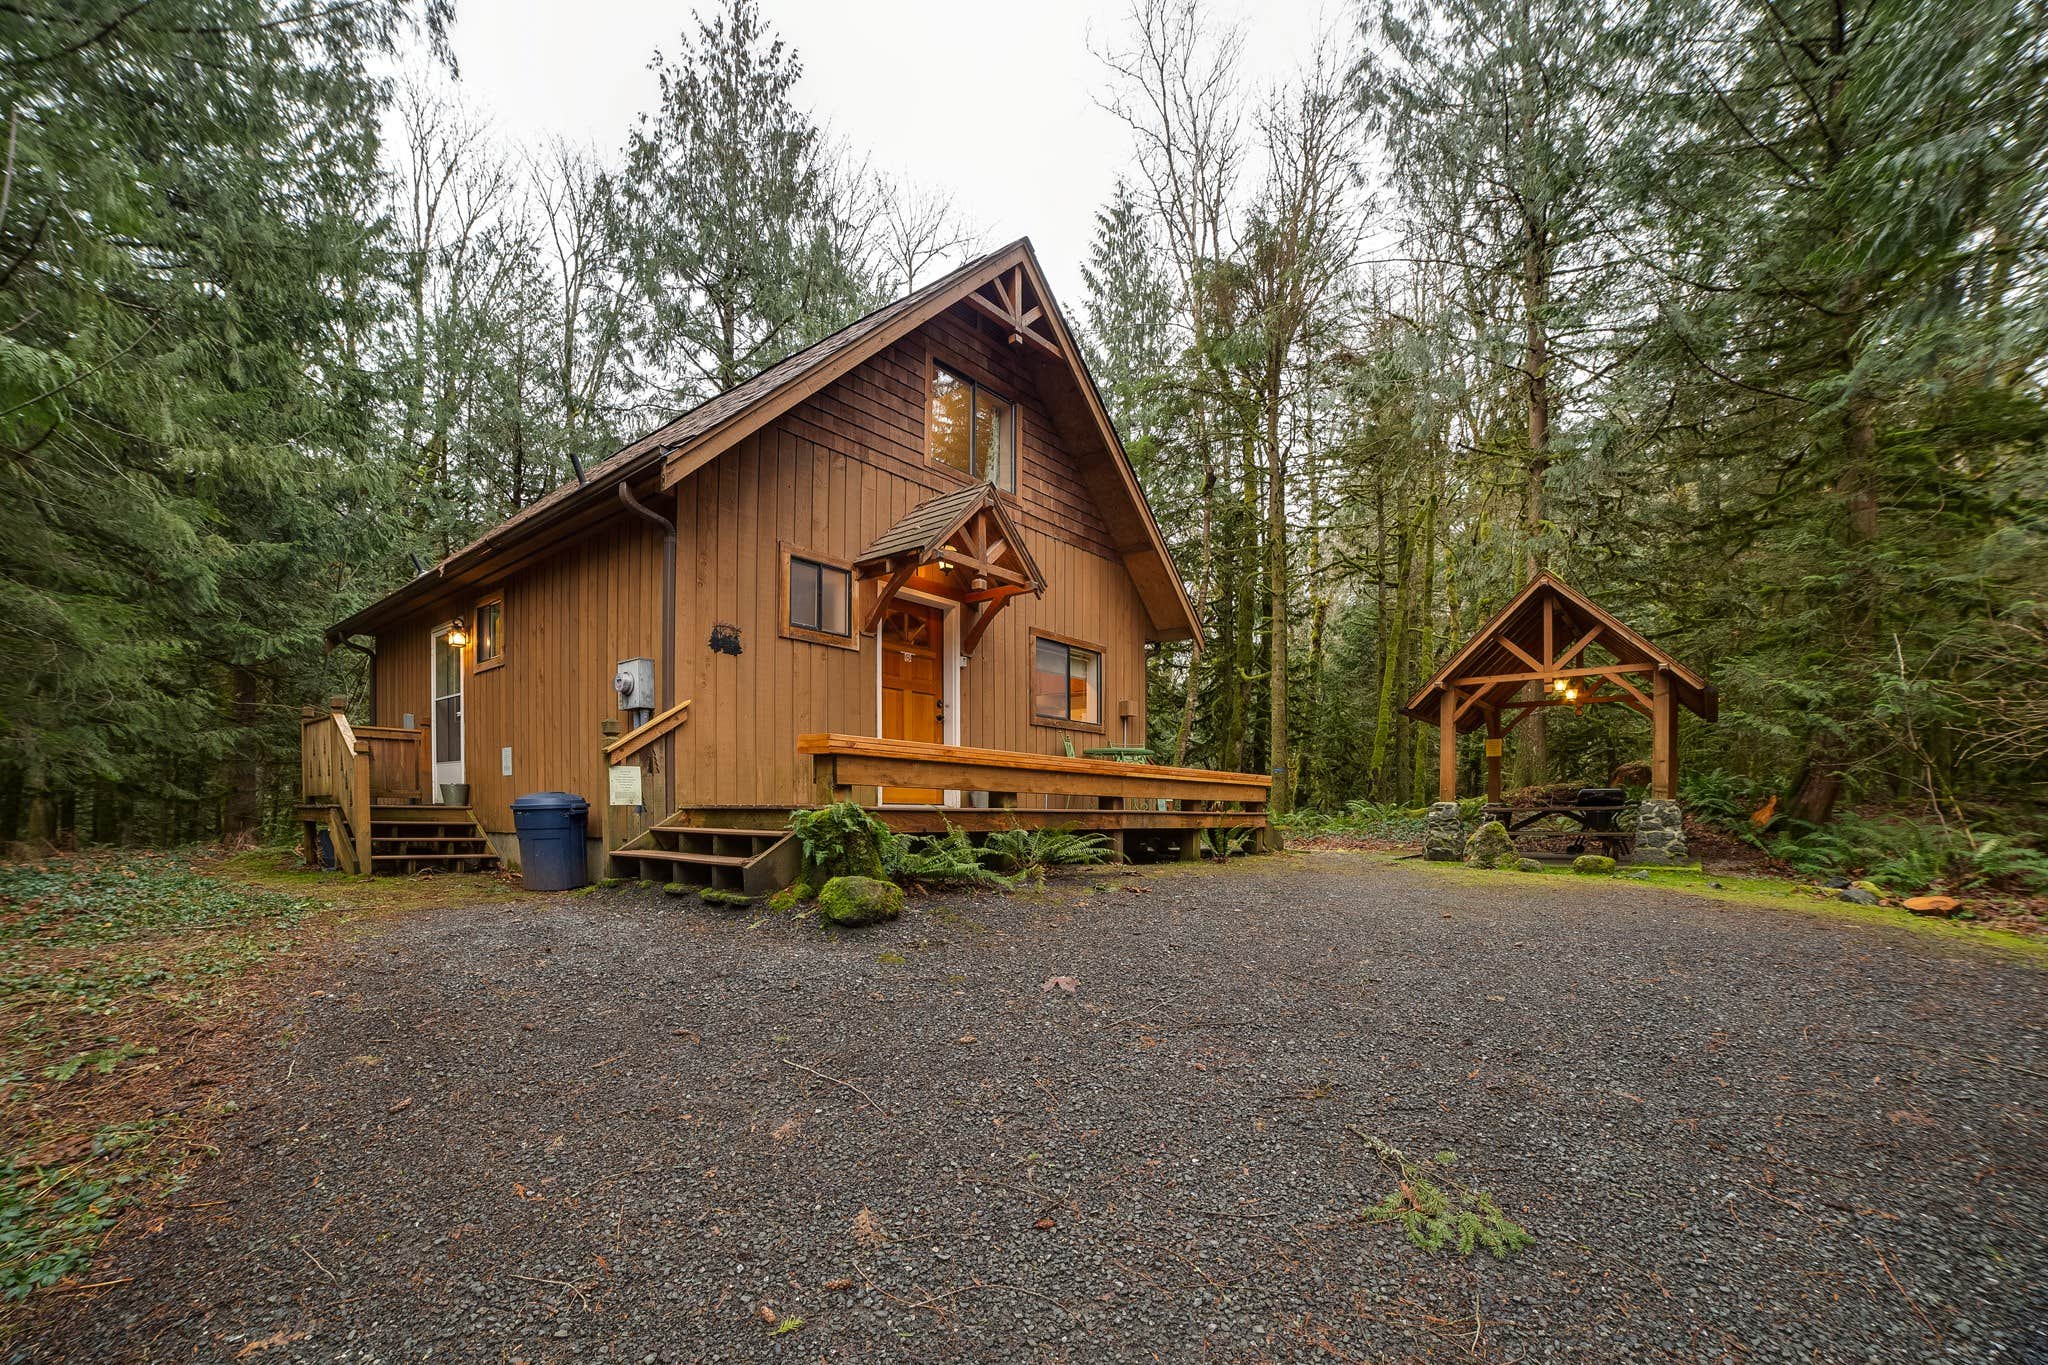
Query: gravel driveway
point(625, 1127)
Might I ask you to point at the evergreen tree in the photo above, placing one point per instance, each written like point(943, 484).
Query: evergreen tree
point(738, 214)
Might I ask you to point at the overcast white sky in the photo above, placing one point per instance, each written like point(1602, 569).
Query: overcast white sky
point(996, 103)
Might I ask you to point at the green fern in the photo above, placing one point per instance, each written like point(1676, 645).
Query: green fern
point(1029, 852)
point(944, 860)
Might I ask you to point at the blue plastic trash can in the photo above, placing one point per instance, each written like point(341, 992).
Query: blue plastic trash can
point(550, 826)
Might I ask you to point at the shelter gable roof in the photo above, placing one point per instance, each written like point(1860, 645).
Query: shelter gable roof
point(1508, 643)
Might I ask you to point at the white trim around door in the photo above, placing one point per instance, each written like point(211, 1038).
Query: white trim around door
point(444, 661)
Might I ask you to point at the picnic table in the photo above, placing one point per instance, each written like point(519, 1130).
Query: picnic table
point(1595, 821)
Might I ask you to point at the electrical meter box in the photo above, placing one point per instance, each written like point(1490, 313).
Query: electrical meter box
point(633, 680)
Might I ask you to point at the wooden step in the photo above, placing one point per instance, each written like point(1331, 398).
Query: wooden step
point(722, 833)
point(432, 857)
point(670, 855)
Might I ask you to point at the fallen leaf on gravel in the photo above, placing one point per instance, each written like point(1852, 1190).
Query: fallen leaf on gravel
point(1043, 1224)
point(783, 1129)
point(867, 1229)
point(767, 1314)
point(1060, 983)
point(397, 1105)
point(687, 1035)
point(278, 1338)
point(967, 1040)
point(841, 1283)
point(1447, 914)
point(525, 1193)
point(1139, 890)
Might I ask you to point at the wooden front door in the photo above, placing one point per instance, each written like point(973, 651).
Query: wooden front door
point(913, 686)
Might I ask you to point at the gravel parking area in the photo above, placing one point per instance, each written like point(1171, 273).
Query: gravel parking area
point(625, 1127)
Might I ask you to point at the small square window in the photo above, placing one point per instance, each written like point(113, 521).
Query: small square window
point(820, 597)
point(1066, 683)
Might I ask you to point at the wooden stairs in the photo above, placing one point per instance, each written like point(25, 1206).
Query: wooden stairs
point(686, 850)
point(406, 839)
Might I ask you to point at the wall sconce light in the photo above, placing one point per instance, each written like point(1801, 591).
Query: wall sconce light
point(458, 635)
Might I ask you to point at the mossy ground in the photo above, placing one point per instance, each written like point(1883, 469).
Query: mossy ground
point(126, 979)
point(1768, 893)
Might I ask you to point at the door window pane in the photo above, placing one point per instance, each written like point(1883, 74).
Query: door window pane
point(448, 729)
point(447, 667)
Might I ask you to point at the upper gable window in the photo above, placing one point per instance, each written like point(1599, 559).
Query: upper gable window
point(972, 428)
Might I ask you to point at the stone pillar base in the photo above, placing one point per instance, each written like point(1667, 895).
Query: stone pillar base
point(1660, 833)
point(1443, 834)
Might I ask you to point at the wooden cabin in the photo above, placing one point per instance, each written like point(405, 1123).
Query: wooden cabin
point(909, 564)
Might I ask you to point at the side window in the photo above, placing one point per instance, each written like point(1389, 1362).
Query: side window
point(1066, 682)
point(490, 633)
point(817, 600)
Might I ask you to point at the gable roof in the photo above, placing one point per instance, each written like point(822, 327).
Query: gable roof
point(1519, 626)
point(682, 446)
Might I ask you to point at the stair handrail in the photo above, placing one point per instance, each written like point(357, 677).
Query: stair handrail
point(334, 769)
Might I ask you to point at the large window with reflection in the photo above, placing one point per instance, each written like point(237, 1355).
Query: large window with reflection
point(971, 428)
point(1066, 682)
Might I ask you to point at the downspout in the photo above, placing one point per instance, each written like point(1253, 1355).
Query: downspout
point(666, 684)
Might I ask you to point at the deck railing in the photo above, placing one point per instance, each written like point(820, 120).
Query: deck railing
point(334, 771)
point(349, 768)
point(843, 765)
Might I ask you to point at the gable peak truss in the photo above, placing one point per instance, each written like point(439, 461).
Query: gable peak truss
point(1011, 298)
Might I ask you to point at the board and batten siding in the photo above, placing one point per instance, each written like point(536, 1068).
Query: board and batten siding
point(567, 621)
point(828, 477)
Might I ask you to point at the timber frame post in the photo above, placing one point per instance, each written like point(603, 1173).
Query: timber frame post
point(1447, 746)
point(1663, 738)
point(1495, 743)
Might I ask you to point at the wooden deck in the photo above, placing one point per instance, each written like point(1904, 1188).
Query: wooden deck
point(366, 786)
point(998, 789)
point(1144, 811)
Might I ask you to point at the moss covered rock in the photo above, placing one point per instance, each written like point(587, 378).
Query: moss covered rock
point(789, 898)
point(860, 900)
point(1593, 865)
point(1490, 846)
point(1527, 865)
